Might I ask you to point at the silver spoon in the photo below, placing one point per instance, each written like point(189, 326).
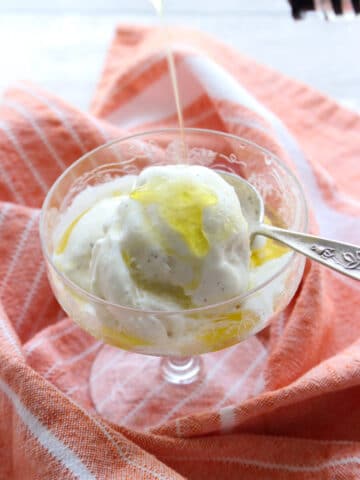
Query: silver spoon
point(342, 257)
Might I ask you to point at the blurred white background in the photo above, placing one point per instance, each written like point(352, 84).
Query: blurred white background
point(61, 44)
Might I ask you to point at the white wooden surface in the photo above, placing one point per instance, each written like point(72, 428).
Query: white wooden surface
point(61, 44)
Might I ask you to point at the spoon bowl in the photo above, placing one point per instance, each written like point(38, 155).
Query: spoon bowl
point(251, 202)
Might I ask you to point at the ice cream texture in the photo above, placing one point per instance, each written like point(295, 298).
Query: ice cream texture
point(172, 238)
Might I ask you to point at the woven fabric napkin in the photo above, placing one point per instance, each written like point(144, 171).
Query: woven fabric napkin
point(286, 403)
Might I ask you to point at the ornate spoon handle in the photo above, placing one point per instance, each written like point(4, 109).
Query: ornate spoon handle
point(342, 257)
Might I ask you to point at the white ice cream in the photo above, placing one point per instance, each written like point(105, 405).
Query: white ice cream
point(175, 238)
point(171, 239)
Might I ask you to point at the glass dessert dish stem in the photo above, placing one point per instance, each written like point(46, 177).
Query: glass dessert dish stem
point(181, 370)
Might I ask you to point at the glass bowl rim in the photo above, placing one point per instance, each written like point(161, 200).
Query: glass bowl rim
point(237, 299)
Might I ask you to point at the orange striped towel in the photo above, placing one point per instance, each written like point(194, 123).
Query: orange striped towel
point(285, 404)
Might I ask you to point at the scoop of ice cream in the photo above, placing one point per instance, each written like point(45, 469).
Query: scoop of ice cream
point(172, 238)
point(178, 240)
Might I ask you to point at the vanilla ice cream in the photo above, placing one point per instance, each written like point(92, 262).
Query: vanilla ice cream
point(173, 238)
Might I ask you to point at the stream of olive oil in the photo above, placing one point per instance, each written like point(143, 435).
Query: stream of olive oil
point(159, 8)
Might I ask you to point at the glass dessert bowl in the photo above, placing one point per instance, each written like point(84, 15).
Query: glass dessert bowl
point(108, 173)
